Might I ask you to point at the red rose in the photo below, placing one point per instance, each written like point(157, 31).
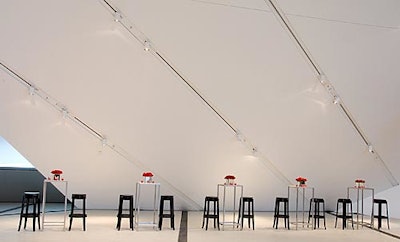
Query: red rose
point(230, 177)
point(148, 174)
point(56, 172)
point(299, 179)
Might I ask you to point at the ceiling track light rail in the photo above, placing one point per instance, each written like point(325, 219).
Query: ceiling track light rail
point(19, 78)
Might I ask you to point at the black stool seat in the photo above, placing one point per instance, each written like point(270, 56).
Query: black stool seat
point(346, 212)
point(249, 214)
point(379, 216)
point(317, 214)
point(170, 215)
point(277, 214)
point(206, 212)
point(121, 214)
point(74, 213)
point(30, 208)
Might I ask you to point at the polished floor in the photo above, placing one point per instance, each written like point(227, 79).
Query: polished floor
point(101, 227)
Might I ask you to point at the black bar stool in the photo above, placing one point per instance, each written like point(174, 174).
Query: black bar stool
point(347, 212)
point(121, 215)
point(30, 208)
point(381, 202)
point(170, 214)
point(318, 213)
point(81, 214)
point(285, 215)
point(250, 210)
point(206, 212)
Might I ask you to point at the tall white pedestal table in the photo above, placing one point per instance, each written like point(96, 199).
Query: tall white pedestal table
point(62, 184)
point(359, 196)
point(222, 196)
point(156, 199)
point(303, 190)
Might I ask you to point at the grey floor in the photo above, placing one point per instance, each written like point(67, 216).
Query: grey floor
point(101, 227)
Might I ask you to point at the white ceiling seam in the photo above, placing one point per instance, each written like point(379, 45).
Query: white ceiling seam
point(284, 22)
point(360, 23)
point(66, 114)
point(343, 21)
point(143, 39)
point(232, 6)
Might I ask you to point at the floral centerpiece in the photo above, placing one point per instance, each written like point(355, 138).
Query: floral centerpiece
point(57, 174)
point(230, 180)
point(360, 183)
point(147, 177)
point(301, 181)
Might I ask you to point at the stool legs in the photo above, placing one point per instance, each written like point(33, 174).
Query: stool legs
point(345, 214)
point(121, 215)
point(318, 214)
point(380, 216)
point(73, 214)
point(206, 212)
point(250, 211)
point(277, 213)
point(171, 214)
point(30, 199)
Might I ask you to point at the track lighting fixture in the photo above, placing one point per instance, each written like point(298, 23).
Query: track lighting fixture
point(104, 141)
point(370, 149)
point(240, 137)
point(117, 16)
point(322, 79)
point(147, 45)
point(254, 151)
point(336, 99)
point(31, 90)
point(64, 112)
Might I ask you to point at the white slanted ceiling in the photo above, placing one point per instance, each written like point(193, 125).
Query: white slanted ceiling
point(239, 58)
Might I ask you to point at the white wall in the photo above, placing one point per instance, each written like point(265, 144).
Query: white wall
point(239, 58)
point(393, 198)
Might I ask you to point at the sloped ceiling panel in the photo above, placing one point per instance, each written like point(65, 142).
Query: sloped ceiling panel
point(358, 49)
point(236, 55)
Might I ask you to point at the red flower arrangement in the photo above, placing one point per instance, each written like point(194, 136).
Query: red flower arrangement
point(230, 177)
point(301, 179)
point(57, 174)
point(147, 174)
point(147, 177)
point(230, 180)
point(360, 183)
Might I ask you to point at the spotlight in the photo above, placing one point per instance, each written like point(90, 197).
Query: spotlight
point(31, 90)
point(254, 151)
point(336, 99)
point(147, 45)
point(240, 136)
point(370, 149)
point(322, 79)
point(64, 112)
point(117, 16)
point(104, 141)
